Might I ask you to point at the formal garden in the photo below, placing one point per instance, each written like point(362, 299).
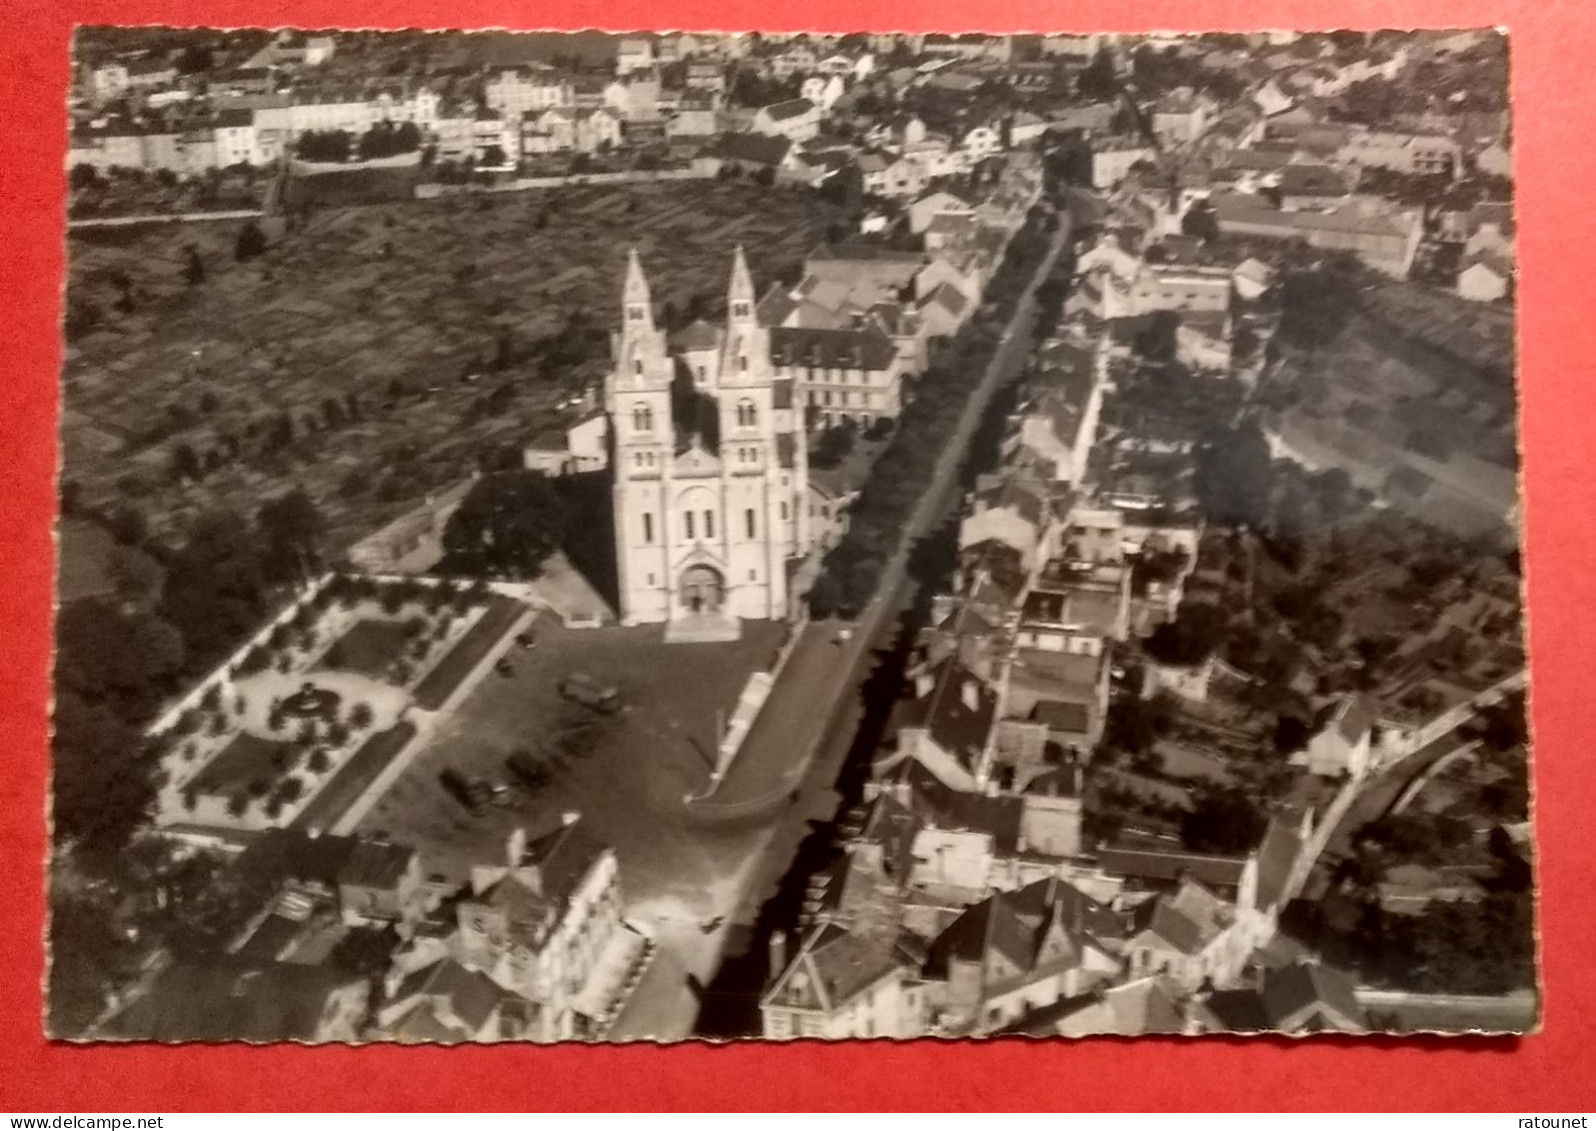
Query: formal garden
point(319, 703)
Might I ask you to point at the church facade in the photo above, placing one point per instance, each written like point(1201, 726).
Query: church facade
point(710, 471)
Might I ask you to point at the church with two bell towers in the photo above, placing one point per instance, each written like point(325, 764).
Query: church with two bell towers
point(710, 471)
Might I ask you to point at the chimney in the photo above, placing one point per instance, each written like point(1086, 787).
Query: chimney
point(971, 695)
point(515, 847)
point(569, 818)
point(923, 683)
point(778, 951)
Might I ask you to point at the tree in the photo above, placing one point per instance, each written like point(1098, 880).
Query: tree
point(124, 659)
point(1190, 638)
point(1234, 475)
point(1097, 81)
point(251, 242)
point(1201, 222)
point(1224, 821)
point(215, 592)
point(507, 525)
point(193, 267)
point(103, 783)
point(292, 532)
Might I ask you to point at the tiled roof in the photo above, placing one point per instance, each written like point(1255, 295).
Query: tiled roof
point(802, 347)
point(471, 995)
point(761, 149)
point(1290, 989)
point(953, 724)
point(792, 108)
point(1161, 867)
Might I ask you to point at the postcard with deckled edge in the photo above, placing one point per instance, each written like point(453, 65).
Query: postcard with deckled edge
point(667, 536)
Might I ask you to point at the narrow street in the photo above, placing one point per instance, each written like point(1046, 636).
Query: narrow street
point(786, 773)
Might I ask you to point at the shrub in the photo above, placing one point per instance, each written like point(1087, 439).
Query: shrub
point(237, 804)
point(307, 734)
point(219, 724)
point(391, 600)
point(284, 662)
point(360, 716)
point(187, 723)
point(337, 733)
point(333, 658)
point(240, 705)
point(212, 698)
point(259, 787)
point(318, 761)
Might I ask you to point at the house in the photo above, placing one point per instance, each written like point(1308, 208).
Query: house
point(580, 447)
point(845, 981)
point(798, 58)
point(1487, 277)
point(447, 1003)
point(634, 53)
point(1252, 278)
point(823, 91)
point(546, 922)
point(1012, 512)
point(1495, 160)
point(597, 130)
point(749, 152)
point(796, 119)
point(1301, 185)
point(1184, 936)
point(981, 142)
point(528, 91)
point(841, 374)
point(1113, 159)
point(889, 175)
point(1416, 154)
point(367, 880)
point(228, 999)
point(1341, 739)
point(1017, 952)
point(1384, 238)
point(1304, 997)
point(705, 75)
point(947, 725)
point(1179, 117)
point(1154, 1004)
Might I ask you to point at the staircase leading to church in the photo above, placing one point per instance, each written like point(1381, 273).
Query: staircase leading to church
point(703, 628)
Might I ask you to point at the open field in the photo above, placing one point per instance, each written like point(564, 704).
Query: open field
point(433, 316)
point(626, 773)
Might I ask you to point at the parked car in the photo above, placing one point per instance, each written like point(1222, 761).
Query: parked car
point(472, 792)
point(526, 640)
point(503, 666)
point(584, 689)
point(528, 767)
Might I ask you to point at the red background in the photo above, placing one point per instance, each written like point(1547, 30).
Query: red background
point(1553, 43)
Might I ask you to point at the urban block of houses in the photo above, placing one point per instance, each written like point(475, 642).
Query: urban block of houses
point(1384, 238)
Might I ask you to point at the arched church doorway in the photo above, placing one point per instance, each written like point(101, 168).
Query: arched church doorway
point(703, 589)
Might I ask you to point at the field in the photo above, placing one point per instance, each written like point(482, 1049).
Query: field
point(438, 318)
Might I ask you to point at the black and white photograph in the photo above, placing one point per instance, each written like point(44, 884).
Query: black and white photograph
point(619, 536)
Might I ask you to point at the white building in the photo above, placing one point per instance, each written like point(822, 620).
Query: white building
point(709, 510)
